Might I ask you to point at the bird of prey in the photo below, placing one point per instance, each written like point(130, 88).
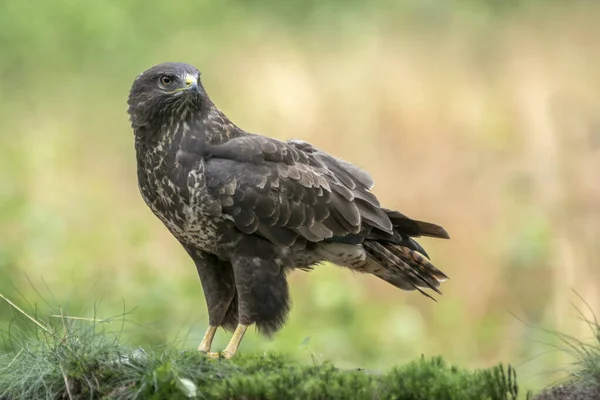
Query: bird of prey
point(248, 209)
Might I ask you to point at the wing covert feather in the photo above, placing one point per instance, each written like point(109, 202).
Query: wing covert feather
point(283, 191)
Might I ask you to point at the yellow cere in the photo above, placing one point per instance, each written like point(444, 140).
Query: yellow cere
point(189, 79)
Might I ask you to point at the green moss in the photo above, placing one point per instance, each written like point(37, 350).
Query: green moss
point(91, 365)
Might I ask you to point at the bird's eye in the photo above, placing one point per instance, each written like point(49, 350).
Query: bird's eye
point(166, 80)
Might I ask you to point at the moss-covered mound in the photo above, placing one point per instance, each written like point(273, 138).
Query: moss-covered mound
point(107, 370)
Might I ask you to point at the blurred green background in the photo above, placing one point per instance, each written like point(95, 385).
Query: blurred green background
point(481, 116)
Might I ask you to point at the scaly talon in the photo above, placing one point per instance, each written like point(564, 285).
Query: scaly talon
point(232, 346)
point(227, 354)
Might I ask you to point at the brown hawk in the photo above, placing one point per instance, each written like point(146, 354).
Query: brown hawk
point(248, 209)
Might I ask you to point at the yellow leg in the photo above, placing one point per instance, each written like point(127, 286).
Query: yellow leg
point(233, 344)
point(235, 341)
point(207, 339)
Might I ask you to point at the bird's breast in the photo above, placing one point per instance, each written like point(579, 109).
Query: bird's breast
point(178, 196)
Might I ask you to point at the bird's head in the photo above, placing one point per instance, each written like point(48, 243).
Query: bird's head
point(165, 91)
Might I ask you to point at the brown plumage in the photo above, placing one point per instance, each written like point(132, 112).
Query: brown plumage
point(248, 208)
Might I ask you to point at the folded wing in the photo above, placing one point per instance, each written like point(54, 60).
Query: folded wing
point(289, 190)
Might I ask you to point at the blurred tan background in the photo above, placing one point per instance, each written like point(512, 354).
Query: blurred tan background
point(481, 116)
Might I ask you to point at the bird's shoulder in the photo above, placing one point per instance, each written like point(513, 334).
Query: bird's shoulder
point(267, 163)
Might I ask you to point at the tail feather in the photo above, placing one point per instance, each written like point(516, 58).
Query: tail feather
point(421, 262)
point(415, 228)
point(392, 254)
point(404, 268)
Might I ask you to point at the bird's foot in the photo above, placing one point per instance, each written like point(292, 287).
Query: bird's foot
point(224, 354)
point(232, 346)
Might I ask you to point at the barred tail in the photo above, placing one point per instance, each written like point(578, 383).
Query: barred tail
point(403, 267)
